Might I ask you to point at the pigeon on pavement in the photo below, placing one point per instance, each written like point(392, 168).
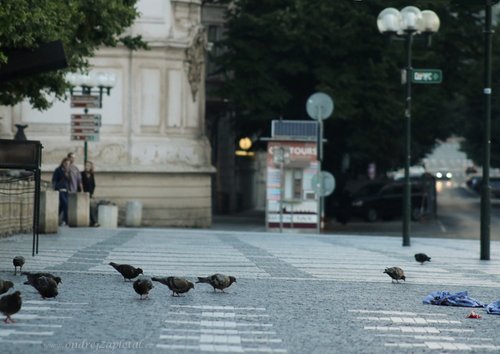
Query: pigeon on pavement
point(175, 284)
point(142, 286)
point(422, 257)
point(5, 285)
point(33, 276)
point(395, 273)
point(127, 271)
point(18, 261)
point(218, 281)
point(47, 287)
point(10, 304)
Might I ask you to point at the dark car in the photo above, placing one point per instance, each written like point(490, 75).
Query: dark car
point(475, 183)
point(385, 201)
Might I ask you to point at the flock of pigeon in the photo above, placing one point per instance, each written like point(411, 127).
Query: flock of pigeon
point(47, 285)
point(398, 274)
point(177, 285)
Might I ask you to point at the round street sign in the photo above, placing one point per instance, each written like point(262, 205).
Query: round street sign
point(326, 187)
point(319, 106)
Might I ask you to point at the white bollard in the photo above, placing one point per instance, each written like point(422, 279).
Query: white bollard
point(49, 212)
point(78, 209)
point(133, 213)
point(108, 216)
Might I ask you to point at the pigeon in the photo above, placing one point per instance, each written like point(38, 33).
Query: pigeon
point(10, 304)
point(126, 270)
point(422, 257)
point(218, 281)
point(47, 287)
point(175, 284)
point(5, 285)
point(33, 276)
point(18, 261)
point(142, 286)
point(395, 273)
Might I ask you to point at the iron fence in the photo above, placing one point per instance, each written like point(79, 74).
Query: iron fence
point(17, 201)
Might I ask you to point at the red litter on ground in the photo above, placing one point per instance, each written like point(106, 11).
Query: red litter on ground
point(473, 315)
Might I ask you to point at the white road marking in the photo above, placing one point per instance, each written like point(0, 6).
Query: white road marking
point(207, 307)
point(44, 302)
point(22, 316)
point(20, 341)
point(8, 332)
point(400, 313)
point(223, 334)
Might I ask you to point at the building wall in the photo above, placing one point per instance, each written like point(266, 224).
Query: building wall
point(152, 143)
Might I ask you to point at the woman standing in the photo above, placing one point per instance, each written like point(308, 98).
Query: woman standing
point(60, 182)
point(88, 182)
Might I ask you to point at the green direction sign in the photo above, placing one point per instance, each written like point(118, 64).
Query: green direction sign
point(426, 76)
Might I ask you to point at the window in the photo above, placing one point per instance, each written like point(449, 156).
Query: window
point(214, 34)
point(293, 183)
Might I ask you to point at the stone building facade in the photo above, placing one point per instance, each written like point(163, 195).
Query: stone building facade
point(152, 146)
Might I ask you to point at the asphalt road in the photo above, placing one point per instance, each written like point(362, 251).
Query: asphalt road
point(296, 293)
point(458, 216)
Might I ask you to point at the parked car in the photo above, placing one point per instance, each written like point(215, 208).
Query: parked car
point(470, 170)
point(385, 201)
point(475, 183)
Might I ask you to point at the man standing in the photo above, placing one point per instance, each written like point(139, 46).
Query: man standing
point(75, 177)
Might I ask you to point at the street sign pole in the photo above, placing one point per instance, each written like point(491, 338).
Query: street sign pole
point(85, 145)
point(319, 106)
point(85, 127)
point(320, 180)
point(486, 187)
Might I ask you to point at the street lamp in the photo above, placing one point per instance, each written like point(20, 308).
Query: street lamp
point(86, 92)
point(92, 83)
point(405, 25)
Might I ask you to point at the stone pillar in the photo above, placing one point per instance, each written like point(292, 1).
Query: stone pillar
point(78, 209)
point(108, 216)
point(49, 212)
point(133, 213)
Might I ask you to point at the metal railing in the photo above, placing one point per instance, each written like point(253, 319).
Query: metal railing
point(17, 201)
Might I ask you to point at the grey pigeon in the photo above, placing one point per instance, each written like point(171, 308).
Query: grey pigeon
point(395, 273)
point(47, 287)
point(218, 281)
point(18, 261)
point(422, 257)
point(10, 304)
point(142, 286)
point(33, 276)
point(5, 285)
point(175, 284)
point(127, 271)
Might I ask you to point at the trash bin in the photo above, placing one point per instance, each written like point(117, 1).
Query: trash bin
point(133, 213)
point(108, 216)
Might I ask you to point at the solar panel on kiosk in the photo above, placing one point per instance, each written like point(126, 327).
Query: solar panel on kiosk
point(303, 129)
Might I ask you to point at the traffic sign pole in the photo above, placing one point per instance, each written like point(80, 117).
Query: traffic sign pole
point(319, 106)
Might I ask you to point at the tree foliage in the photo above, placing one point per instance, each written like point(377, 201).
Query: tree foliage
point(278, 52)
point(82, 26)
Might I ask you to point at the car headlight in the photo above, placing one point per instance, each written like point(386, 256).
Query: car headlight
point(439, 174)
point(449, 175)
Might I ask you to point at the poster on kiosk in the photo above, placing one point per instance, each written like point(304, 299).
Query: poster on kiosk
point(291, 201)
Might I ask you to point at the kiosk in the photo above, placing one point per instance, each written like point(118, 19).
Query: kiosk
point(292, 161)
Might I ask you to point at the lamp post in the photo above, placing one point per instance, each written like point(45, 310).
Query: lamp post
point(405, 25)
point(86, 92)
point(486, 187)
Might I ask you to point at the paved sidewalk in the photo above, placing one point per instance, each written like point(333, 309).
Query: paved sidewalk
point(295, 293)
